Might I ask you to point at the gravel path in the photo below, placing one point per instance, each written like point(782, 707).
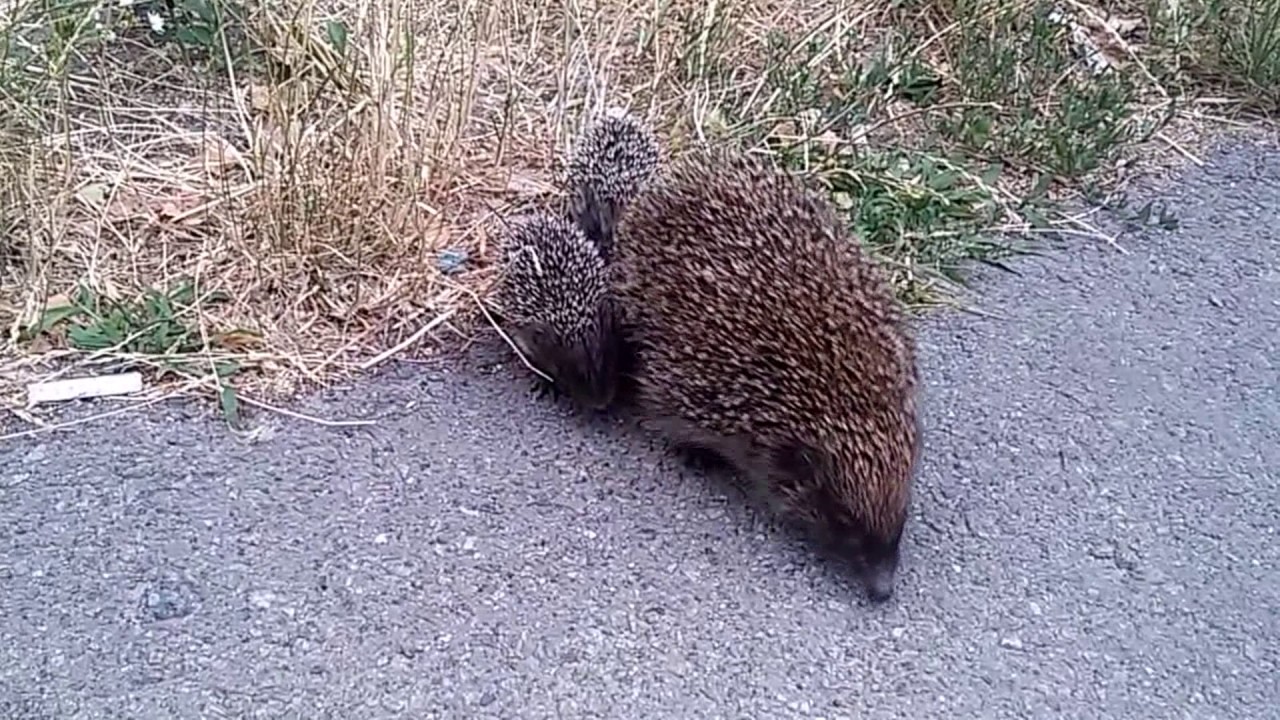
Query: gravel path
point(1095, 532)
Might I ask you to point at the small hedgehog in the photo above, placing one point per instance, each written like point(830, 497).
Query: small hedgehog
point(612, 162)
point(760, 335)
point(556, 306)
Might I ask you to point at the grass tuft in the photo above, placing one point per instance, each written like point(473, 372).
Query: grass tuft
point(248, 195)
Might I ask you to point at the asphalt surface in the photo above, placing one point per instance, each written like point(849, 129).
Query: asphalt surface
point(1095, 532)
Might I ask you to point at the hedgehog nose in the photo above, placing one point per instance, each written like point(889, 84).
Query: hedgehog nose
point(879, 583)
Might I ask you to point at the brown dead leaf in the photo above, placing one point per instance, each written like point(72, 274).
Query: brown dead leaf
point(436, 234)
point(219, 155)
point(47, 341)
point(94, 195)
point(34, 314)
point(238, 339)
point(182, 209)
point(259, 97)
point(60, 300)
point(1101, 37)
point(1109, 25)
point(124, 204)
point(1126, 27)
point(786, 128)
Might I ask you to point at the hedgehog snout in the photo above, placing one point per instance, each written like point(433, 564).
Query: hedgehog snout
point(594, 390)
point(871, 560)
point(879, 580)
point(589, 369)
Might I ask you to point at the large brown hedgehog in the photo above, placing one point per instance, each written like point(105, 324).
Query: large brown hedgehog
point(556, 307)
point(760, 335)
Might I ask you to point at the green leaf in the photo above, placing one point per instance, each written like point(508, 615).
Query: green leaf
point(992, 174)
point(842, 200)
point(212, 297)
point(86, 299)
point(230, 405)
point(1042, 185)
point(1034, 217)
point(195, 35)
point(183, 294)
point(226, 368)
point(87, 338)
point(337, 33)
point(203, 9)
point(53, 316)
point(160, 308)
point(943, 180)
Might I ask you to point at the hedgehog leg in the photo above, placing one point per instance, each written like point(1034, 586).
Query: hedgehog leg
point(544, 389)
point(699, 457)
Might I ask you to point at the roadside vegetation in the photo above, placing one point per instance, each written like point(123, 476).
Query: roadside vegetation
point(242, 197)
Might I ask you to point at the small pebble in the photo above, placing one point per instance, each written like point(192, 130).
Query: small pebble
point(169, 599)
point(261, 599)
point(452, 260)
point(36, 454)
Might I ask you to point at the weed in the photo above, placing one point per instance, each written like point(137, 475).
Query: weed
point(157, 329)
point(927, 218)
point(295, 158)
point(1230, 46)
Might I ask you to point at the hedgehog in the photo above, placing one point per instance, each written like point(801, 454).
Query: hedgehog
point(613, 161)
point(559, 308)
point(556, 307)
point(758, 335)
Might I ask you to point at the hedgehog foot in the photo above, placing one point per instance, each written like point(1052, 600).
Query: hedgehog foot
point(700, 458)
point(544, 390)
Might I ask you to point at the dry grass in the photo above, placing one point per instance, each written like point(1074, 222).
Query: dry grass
point(322, 182)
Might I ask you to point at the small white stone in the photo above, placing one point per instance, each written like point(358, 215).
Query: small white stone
point(1012, 643)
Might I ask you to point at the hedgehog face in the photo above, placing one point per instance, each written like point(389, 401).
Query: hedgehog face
point(582, 361)
point(873, 558)
point(837, 509)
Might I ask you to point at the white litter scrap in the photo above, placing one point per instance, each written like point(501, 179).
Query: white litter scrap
point(86, 387)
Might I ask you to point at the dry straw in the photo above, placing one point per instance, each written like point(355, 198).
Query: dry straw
point(335, 206)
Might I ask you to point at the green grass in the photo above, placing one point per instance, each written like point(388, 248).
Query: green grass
point(1228, 48)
